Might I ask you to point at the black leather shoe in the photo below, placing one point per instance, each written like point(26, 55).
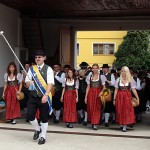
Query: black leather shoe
point(106, 124)
point(41, 141)
point(121, 128)
point(94, 127)
point(36, 134)
point(67, 124)
point(56, 121)
point(124, 130)
point(80, 120)
point(84, 123)
point(70, 126)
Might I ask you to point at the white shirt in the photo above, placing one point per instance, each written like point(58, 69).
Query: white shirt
point(50, 75)
point(112, 82)
point(118, 83)
point(71, 83)
point(139, 86)
point(19, 77)
point(60, 79)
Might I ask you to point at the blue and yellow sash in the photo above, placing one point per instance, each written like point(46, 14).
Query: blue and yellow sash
point(41, 84)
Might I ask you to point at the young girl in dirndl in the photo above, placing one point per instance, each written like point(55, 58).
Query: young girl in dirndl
point(70, 98)
point(95, 86)
point(13, 85)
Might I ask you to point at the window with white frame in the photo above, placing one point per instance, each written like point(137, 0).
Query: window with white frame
point(103, 48)
point(77, 49)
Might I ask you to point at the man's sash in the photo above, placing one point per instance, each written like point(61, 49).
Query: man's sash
point(40, 82)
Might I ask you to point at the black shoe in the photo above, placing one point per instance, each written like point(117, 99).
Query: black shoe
point(9, 121)
point(70, 126)
point(113, 122)
point(106, 124)
point(84, 123)
point(80, 120)
point(131, 125)
point(121, 128)
point(124, 130)
point(41, 141)
point(94, 127)
point(36, 134)
point(56, 121)
point(27, 120)
point(67, 125)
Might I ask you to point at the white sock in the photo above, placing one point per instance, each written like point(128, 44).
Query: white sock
point(114, 116)
point(54, 112)
point(35, 124)
point(103, 116)
point(148, 104)
point(125, 127)
point(107, 117)
point(57, 114)
point(44, 127)
point(81, 113)
point(139, 116)
point(85, 116)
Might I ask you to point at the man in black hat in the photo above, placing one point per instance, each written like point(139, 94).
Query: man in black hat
point(110, 83)
point(36, 98)
point(85, 66)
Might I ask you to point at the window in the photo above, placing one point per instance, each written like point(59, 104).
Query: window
point(103, 48)
point(77, 49)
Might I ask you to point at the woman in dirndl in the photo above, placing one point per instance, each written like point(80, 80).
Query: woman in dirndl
point(123, 99)
point(13, 85)
point(70, 98)
point(95, 86)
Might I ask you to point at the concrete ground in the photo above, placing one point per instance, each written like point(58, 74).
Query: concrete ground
point(19, 137)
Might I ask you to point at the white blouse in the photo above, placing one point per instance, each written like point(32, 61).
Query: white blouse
point(119, 83)
point(19, 77)
point(71, 83)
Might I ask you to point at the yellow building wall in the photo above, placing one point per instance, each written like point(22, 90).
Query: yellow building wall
point(86, 40)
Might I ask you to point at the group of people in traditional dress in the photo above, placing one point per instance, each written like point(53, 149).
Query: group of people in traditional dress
point(76, 95)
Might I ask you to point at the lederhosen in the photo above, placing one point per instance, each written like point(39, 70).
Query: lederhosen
point(69, 100)
point(94, 102)
point(56, 103)
point(34, 102)
point(12, 104)
point(109, 107)
point(81, 94)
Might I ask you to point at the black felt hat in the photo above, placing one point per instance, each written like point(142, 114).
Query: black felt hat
point(67, 66)
point(84, 65)
point(39, 52)
point(105, 66)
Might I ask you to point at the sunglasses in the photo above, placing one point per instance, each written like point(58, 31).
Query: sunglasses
point(38, 57)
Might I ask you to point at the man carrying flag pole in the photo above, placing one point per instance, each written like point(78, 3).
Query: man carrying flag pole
point(40, 95)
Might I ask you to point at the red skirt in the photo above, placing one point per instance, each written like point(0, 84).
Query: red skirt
point(12, 104)
point(69, 100)
point(94, 106)
point(124, 109)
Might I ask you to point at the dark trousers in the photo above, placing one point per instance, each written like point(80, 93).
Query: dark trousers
point(34, 103)
point(56, 103)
